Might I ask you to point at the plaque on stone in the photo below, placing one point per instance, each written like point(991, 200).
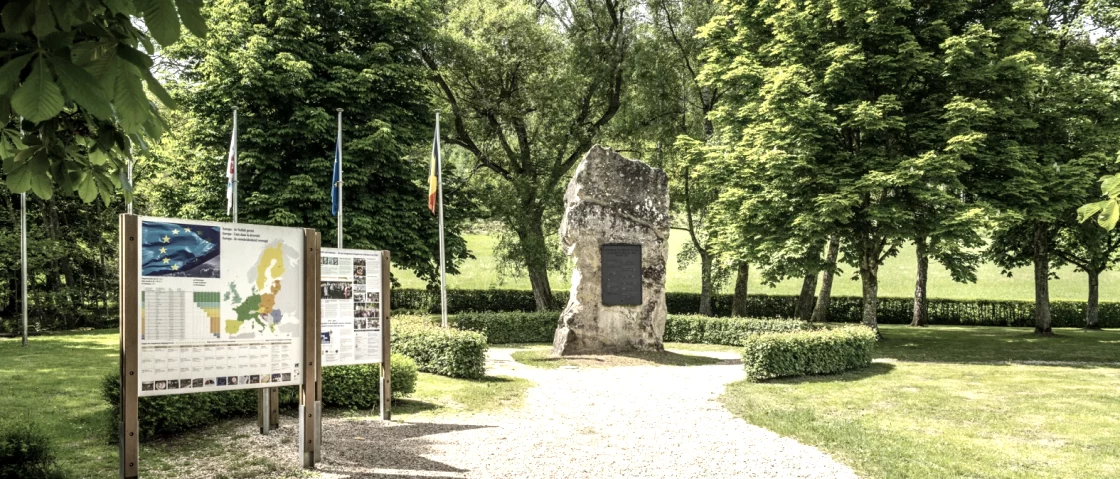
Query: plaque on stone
point(622, 274)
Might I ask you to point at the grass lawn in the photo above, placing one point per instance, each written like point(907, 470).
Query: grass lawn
point(56, 381)
point(896, 278)
point(543, 358)
point(948, 403)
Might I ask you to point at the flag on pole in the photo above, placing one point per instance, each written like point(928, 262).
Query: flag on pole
point(433, 175)
point(336, 178)
point(231, 170)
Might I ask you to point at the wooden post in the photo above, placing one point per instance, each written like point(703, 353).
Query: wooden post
point(268, 409)
point(386, 391)
point(130, 345)
point(309, 391)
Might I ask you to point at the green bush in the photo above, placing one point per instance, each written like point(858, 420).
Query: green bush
point(518, 327)
point(800, 353)
point(447, 352)
point(509, 327)
point(358, 386)
point(353, 386)
point(697, 329)
point(27, 453)
point(848, 309)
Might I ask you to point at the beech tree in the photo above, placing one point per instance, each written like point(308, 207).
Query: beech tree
point(530, 87)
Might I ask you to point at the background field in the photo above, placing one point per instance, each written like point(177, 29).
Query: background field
point(896, 278)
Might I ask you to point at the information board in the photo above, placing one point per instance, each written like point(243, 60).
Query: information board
point(352, 308)
point(221, 306)
point(621, 269)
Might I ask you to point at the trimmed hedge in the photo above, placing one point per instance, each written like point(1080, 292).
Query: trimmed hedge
point(697, 329)
point(447, 352)
point(843, 308)
point(518, 327)
point(343, 386)
point(509, 327)
point(26, 452)
point(801, 353)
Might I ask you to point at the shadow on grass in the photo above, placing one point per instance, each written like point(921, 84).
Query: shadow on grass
point(875, 369)
point(400, 447)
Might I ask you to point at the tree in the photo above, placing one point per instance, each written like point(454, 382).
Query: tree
point(838, 115)
point(71, 92)
point(530, 87)
point(1091, 250)
point(1048, 144)
point(287, 65)
point(824, 299)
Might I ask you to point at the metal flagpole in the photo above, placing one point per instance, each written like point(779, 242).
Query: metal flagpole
point(234, 183)
point(130, 185)
point(23, 258)
point(339, 146)
point(442, 263)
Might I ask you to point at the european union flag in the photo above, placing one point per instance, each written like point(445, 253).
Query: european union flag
point(180, 249)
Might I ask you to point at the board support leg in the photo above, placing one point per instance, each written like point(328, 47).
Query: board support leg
point(310, 392)
point(385, 389)
point(129, 452)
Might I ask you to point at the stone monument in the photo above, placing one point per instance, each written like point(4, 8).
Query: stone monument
point(616, 230)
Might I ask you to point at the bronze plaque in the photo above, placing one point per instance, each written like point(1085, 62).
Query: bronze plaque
point(621, 267)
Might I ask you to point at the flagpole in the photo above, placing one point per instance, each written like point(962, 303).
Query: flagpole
point(234, 183)
point(339, 143)
point(442, 260)
point(23, 259)
point(130, 185)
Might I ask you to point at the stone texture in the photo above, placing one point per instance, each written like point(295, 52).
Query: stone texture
point(612, 199)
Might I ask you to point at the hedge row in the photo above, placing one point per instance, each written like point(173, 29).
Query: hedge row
point(697, 329)
point(519, 327)
point(801, 353)
point(843, 308)
point(343, 386)
point(447, 352)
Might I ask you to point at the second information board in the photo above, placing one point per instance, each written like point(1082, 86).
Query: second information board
point(352, 308)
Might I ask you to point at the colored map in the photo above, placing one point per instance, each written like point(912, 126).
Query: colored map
point(260, 309)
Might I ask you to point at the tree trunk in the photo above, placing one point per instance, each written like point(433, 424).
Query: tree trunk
point(921, 307)
point(535, 253)
point(739, 300)
point(705, 284)
point(869, 276)
point(806, 300)
point(1041, 258)
point(824, 299)
point(1092, 320)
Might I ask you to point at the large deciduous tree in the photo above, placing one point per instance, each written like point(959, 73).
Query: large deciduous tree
point(531, 87)
point(287, 65)
point(836, 111)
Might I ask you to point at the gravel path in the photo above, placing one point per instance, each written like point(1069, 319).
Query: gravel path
point(621, 422)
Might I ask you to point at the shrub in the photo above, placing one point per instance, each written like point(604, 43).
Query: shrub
point(358, 386)
point(447, 352)
point(799, 353)
point(26, 453)
point(353, 386)
point(509, 327)
point(842, 309)
point(517, 327)
point(727, 331)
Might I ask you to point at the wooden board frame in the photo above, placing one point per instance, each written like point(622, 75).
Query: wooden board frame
point(310, 392)
point(386, 387)
point(130, 345)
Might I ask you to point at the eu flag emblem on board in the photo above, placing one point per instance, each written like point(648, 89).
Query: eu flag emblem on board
point(180, 249)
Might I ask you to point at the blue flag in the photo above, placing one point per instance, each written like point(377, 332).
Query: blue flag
point(336, 179)
point(179, 249)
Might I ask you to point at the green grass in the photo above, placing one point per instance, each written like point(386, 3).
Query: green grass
point(56, 383)
point(896, 278)
point(543, 358)
point(941, 411)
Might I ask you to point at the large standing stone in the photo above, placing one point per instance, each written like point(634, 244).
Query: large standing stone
point(612, 200)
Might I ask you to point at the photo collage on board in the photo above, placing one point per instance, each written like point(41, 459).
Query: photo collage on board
point(367, 303)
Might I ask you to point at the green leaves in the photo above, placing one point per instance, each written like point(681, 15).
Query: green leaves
point(39, 98)
point(1109, 210)
point(191, 14)
point(162, 20)
point(83, 88)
